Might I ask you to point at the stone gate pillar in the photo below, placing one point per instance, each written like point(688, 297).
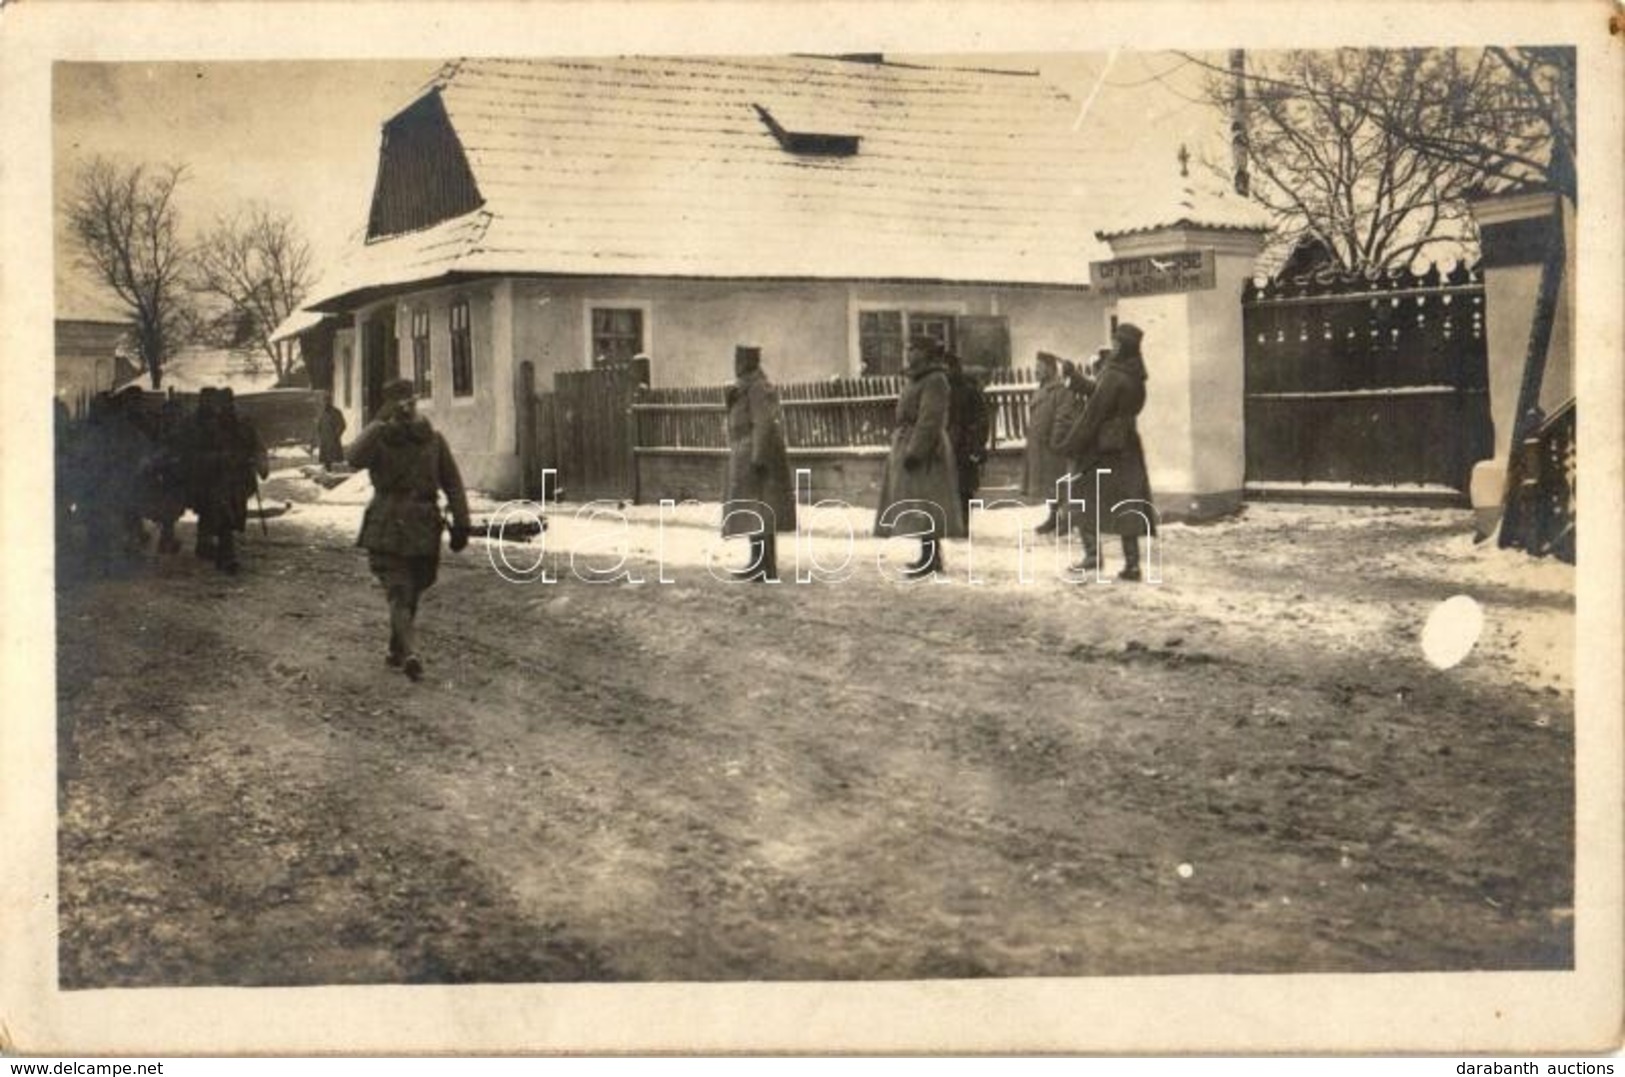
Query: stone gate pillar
point(1182, 284)
point(1516, 230)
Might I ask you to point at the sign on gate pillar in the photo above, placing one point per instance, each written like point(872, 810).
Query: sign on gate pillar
point(1155, 274)
point(1182, 285)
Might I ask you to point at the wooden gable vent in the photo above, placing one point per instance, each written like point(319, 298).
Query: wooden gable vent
point(809, 143)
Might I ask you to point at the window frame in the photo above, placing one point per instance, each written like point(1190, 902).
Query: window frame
point(462, 359)
point(347, 363)
point(422, 354)
point(952, 310)
point(589, 307)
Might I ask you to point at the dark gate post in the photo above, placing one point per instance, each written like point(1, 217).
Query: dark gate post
point(525, 423)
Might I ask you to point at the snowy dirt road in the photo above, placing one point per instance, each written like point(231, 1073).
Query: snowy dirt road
point(1248, 767)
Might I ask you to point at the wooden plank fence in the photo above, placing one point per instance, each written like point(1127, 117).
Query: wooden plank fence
point(834, 415)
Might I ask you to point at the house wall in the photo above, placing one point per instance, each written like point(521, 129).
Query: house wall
point(807, 331)
point(479, 426)
point(85, 356)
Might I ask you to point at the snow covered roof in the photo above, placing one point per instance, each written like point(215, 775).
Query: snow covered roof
point(1187, 203)
point(194, 368)
point(297, 322)
point(642, 166)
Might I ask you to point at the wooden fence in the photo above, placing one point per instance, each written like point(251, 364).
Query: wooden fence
point(819, 416)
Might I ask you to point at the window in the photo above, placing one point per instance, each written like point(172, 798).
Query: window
point(880, 341)
point(421, 373)
point(462, 351)
point(883, 337)
point(617, 334)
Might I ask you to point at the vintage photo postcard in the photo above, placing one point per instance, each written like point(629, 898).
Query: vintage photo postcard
point(811, 527)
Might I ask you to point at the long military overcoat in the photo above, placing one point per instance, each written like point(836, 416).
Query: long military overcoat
point(1106, 439)
point(759, 481)
point(920, 468)
point(1045, 462)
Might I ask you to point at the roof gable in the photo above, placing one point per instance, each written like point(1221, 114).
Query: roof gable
point(423, 174)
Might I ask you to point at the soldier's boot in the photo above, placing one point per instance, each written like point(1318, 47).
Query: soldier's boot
point(930, 559)
point(934, 563)
point(1091, 558)
point(1131, 559)
point(204, 546)
point(135, 535)
point(753, 563)
point(225, 553)
point(403, 630)
point(1049, 524)
point(916, 566)
point(769, 558)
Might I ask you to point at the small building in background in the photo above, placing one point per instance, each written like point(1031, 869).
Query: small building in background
point(94, 343)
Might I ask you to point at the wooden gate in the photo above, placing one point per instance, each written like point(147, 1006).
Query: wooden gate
point(592, 431)
point(1374, 386)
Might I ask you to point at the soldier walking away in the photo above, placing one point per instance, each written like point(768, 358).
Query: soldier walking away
point(410, 465)
point(1044, 463)
point(105, 463)
point(226, 461)
point(164, 493)
point(1079, 381)
point(328, 434)
point(919, 476)
point(969, 429)
point(760, 500)
point(1105, 439)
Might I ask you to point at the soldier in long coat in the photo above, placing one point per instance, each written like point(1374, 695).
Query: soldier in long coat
point(1045, 463)
point(164, 474)
point(1105, 440)
point(1079, 383)
point(328, 434)
point(760, 500)
point(106, 471)
point(410, 465)
point(970, 429)
point(920, 473)
point(225, 459)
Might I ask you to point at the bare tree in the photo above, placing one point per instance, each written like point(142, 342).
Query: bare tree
point(259, 266)
point(1375, 151)
point(124, 220)
point(1507, 113)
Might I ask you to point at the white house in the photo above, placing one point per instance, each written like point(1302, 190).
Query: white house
point(558, 212)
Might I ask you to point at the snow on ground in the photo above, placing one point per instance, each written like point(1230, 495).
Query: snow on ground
point(1318, 571)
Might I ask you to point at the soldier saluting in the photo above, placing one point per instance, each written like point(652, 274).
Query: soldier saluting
point(410, 465)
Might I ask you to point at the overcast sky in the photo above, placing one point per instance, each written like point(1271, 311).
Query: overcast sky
point(302, 137)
